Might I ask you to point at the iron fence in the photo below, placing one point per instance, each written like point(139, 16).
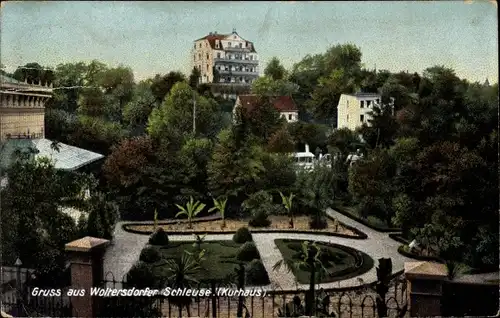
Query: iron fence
point(22, 298)
point(355, 303)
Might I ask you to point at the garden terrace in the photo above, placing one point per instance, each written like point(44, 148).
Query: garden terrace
point(278, 223)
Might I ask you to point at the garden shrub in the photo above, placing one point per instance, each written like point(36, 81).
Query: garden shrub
point(318, 222)
point(256, 273)
point(260, 219)
point(141, 276)
point(149, 255)
point(159, 237)
point(248, 252)
point(243, 235)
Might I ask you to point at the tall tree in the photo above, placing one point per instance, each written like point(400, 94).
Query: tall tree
point(161, 85)
point(137, 111)
point(275, 70)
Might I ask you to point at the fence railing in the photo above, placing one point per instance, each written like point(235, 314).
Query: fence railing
point(356, 303)
point(21, 298)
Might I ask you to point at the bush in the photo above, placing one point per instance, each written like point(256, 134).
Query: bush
point(256, 273)
point(318, 222)
point(248, 252)
point(149, 255)
point(159, 237)
point(141, 276)
point(260, 219)
point(243, 235)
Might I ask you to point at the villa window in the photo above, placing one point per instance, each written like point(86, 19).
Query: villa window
point(207, 67)
point(241, 45)
point(368, 102)
point(199, 46)
point(207, 56)
point(194, 56)
point(229, 44)
point(362, 118)
point(199, 56)
point(251, 57)
point(290, 117)
point(347, 118)
point(195, 45)
point(378, 101)
point(218, 55)
point(362, 104)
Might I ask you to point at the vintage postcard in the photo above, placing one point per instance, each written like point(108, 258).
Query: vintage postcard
point(249, 159)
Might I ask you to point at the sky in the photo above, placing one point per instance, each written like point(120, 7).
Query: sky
point(156, 37)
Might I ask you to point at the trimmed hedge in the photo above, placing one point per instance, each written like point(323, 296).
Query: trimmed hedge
point(402, 251)
point(150, 254)
point(260, 219)
point(159, 237)
point(242, 235)
point(248, 252)
point(318, 222)
point(256, 274)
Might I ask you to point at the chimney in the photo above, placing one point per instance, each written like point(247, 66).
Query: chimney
point(307, 148)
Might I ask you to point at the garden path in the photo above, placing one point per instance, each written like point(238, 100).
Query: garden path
point(126, 248)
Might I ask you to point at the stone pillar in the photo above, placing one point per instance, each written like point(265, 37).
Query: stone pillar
point(86, 259)
point(425, 286)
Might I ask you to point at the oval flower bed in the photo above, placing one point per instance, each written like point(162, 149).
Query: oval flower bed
point(278, 223)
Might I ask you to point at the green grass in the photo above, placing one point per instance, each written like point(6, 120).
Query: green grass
point(214, 267)
point(346, 262)
point(352, 210)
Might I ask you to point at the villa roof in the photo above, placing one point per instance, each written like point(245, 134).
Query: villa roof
point(281, 103)
point(67, 158)
point(364, 95)
point(212, 38)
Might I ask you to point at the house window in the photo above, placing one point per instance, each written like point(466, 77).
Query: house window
point(347, 118)
point(378, 101)
point(368, 102)
point(347, 103)
point(251, 57)
point(229, 44)
point(195, 45)
point(241, 45)
point(199, 46)
point(199, 56)
point(218, 55)
point(290, 117)
point(207, 67)
point(241, 79)
point(362, 104)
point(207, 56)
point(195, 57)
point(362, 118)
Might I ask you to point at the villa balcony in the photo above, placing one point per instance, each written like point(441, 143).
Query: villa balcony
point(238, 73)
point(237, 49)
point(235, 61)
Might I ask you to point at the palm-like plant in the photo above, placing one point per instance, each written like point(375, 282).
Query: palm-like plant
point(181, 274)
point(287, 202)
point(155, 219)
point(191, 210)
point(308, 258)
point(198, 240)
point(220, 206)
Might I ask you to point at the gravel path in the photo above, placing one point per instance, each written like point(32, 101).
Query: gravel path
point(126, 248)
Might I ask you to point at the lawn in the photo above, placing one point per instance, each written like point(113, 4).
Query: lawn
point(346, 262)
point(353, 211)
point(278, 222)
point(214, 265)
